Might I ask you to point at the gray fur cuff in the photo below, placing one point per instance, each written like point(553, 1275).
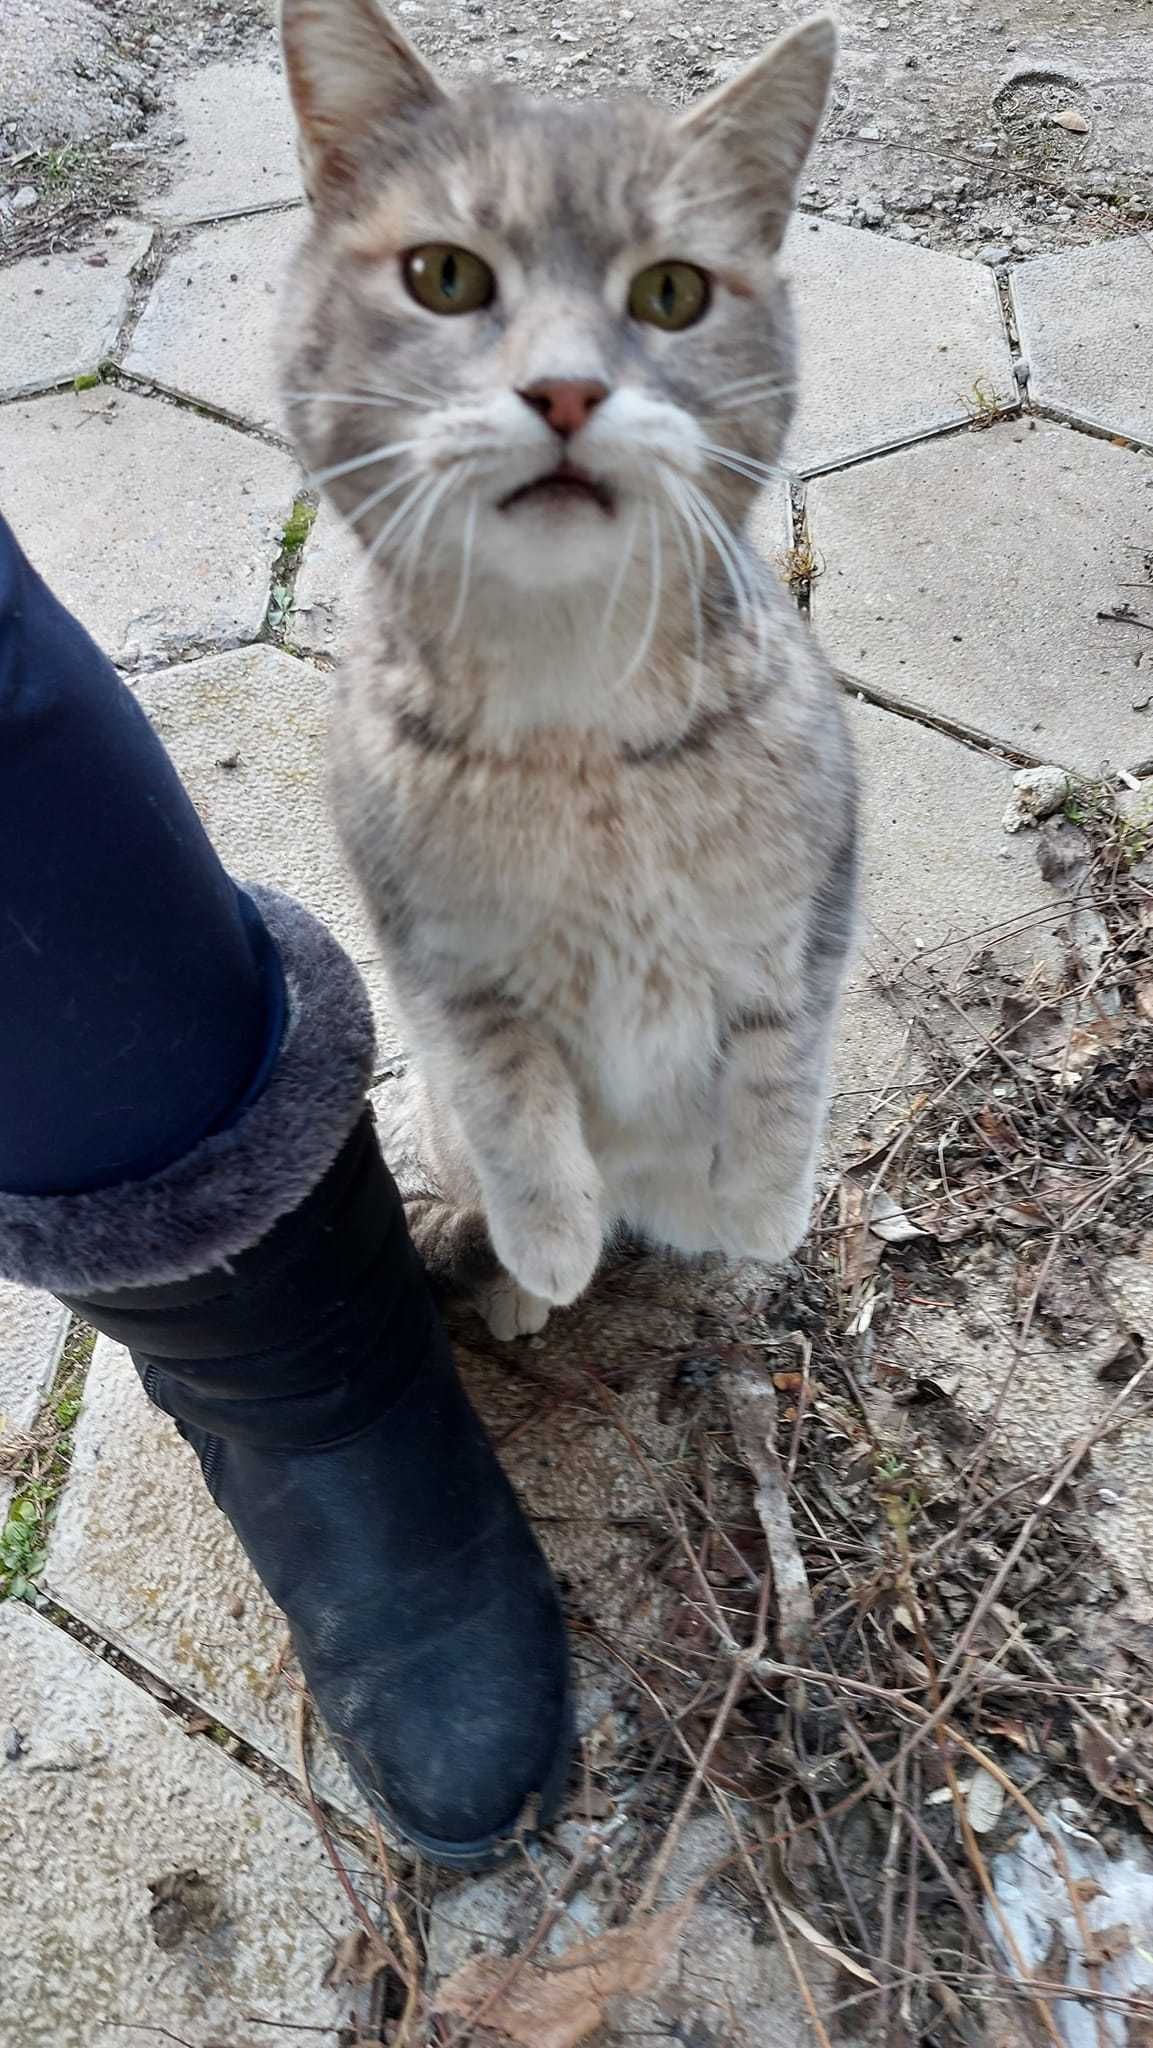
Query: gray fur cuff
point(227, 1193)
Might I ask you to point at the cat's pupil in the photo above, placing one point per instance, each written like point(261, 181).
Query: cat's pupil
point(448, 277)
point(668, 295)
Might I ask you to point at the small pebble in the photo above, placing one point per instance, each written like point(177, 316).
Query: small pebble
point(25, 199)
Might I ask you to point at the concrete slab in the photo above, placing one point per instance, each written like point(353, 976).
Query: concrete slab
point(965, 579)
point(60, 315)
point(102, 1799)
point(770, 526)
point(941, 882)
point(895, 342)
point(140, 1553)
point(327, 584)
point(247, 733)
point(208, 328)
point(1040, 1397)
point(156, 527)
point(1086, 326)
point(32, 1330)
point(226, 165)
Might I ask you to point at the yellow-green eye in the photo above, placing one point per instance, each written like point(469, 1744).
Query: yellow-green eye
point(669, 295)
point(447, 279)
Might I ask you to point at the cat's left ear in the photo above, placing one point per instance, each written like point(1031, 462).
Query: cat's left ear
point(766, 119)
point(350, 70)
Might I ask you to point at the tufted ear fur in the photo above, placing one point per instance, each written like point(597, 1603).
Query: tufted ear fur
point(766, 119)
point(350, 70)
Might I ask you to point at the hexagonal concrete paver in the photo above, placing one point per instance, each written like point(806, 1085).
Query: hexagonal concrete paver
point(60, 315)
point(1086, 324)
point(238, 151)
point(140, 1553)
point(940, 880)
point(208, 328)
point(247, 732)
point(965, 578)
point(163, 1891)
point(325, 599)
point(157, 527)
point(895, 342)
point(32, 1330)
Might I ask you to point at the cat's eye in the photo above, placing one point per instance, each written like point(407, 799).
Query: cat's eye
point(446, 279)
point(669, 295)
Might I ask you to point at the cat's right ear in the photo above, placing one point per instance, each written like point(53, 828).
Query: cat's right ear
point(349, 70)
point(766, 119)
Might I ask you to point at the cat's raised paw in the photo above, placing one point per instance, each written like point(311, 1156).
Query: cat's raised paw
point(510, 1310)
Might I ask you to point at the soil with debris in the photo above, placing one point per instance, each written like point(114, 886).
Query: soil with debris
point(963, 124)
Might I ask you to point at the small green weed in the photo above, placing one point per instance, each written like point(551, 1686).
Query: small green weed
point(39, 1465)
point(87, 380)
point(299, 527)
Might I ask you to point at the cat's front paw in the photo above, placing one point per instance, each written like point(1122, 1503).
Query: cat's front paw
point(552, 1251)
point(752, 1224)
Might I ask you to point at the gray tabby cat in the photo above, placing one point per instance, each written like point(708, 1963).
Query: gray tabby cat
point(590, 768)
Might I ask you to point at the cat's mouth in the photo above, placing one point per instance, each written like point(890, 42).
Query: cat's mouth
point(564, 485)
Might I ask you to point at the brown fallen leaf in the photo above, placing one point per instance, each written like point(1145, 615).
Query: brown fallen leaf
point(1105, 1944)
point(356, 1959)
point(561, 2004)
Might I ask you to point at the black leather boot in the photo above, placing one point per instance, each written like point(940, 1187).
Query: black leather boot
point(312, 1376)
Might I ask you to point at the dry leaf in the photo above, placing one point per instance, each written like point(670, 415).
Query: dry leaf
point(1144, 999)
point(983, 1802)
point(356, 1959)
point(1105, 1944)
point(823, 1945)
point(888, 1221)
point(558, 2006)
point(1073, 122)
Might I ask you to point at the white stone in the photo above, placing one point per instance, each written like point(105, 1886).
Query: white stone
point(895, 342)
point(1037, 793)
point(106, 1796)
point(32, 1330)
point(268, 814)
point(327, 592)
point(60, 315)
point(1086, 323)
point(964, 578)
point(238, 152)
point(209, 327)
point(156, 527)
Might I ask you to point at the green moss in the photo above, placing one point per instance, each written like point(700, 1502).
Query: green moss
point(299, 527)
point(42, 1472)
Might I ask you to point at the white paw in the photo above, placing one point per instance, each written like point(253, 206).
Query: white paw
point(552, 1251)
point(510, 1310)
point(751, 1226)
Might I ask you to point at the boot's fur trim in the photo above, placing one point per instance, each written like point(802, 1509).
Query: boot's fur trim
point(227, 1193)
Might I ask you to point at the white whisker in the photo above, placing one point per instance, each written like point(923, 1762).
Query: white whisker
point(381, 454)
point(657, 588)
point(725, 543)
point(370, 504)
point(625, 564)
point(420, 488)
point(692, 555)
point(751, 463)
point(767, 378)
point(381, 394)
point(408, 562)
point(462, 588)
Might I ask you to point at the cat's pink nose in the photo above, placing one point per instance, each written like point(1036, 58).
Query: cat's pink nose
point(565, 402)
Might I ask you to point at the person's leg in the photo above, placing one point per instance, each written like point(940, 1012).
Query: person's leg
point(186, 1157)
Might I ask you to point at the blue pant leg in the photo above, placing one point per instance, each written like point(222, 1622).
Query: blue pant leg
point(141, 998)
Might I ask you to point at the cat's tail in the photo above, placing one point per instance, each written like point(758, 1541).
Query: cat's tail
point(453, 1242)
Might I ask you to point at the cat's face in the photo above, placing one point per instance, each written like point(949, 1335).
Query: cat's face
point(537, 340)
